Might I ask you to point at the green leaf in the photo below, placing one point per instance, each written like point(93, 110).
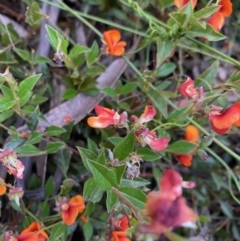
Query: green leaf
point(180, 19)
point(33, 15)
point(206, 12)
point(34, 182)
point(50, 187)
point(42, 60)
point(56, 39)
point(92, 146)
point(27, 149)
point(109, 91)
point(88, 231)
point(165, 49)
point(206, 79)
point(200, 29)
point(35, 138)
point(78, 49)
point(158, 101)
point(96, 195)
point(55, 131)
point(112, 199)
point(115, 140)
point(91, 191)
point(85, 155)
point(181, 147)
point(53, 147)
point(147, 154)
point(63, 157)
point(125, 147)
point(25, 88)
point(58, 232)
point(128, 88)
point(165, 70)
point(104, 177)
point(137, 182)
point(101, 158)
point(227, 209)
point(93, 55)
point(89, 185)
point(23, 54)
point(135, 196)
point(178, 115)
point(119, 170)
point(5, 115)
point(69, 94)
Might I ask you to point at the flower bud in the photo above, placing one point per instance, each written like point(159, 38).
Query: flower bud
point(202, 154)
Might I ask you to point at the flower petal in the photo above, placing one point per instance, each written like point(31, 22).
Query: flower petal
point(226, 7)
point(182, 3)
point(148, 114)
point(3, 189)
point(191, 133)
point(158, 144)
point(100, 121)
point(112, 36)
point(69, 216)
point(171, 183)
point(77, 201)
point(117, 51)
point(100, 110)
point(185, 160)
point(29, 236)
point(187, 88)
point(216, 21)
point(226, 119)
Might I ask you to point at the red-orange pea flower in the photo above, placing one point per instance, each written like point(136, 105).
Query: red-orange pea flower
point(226, 7)
point(188, 89)
point(119, 236)
point(191, 134)
point(185, 160)
point(107, 117)
point(3, 188)
point(113, 45)
point(167, 208)
point(182, 3)
point(35, 227)
point(222, 121)
point(70, 209)
point(216, 21)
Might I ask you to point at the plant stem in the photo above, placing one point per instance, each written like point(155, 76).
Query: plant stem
point(128, 203)
point(31, 215)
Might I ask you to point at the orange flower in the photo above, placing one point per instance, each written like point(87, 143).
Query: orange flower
point(166, 208)
point(226, 7)
point(182, 3)
point(35, 227)
point(185, 160)
point(119, 236)
point(112, 45)
point(222, 121)
point(3, 188)
point(216, 21)
point(71, 209)
point(107, 117)
point(191, 133)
